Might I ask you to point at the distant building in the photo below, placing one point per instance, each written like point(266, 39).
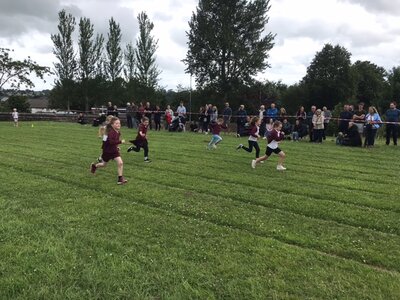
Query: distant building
point(39, 104)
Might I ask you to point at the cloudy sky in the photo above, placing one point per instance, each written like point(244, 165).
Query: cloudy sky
point(369, 29)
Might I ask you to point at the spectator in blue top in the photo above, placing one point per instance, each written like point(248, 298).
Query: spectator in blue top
point(373, 121)
point(272, 112)
point(392, 115)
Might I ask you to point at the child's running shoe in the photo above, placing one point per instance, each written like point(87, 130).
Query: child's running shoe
point(122, 180)
point(253, 163)
point(93, 168)
point(280, 168)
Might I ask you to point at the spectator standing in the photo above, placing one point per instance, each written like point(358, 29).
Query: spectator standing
point(140, 112)
point(310, 124)
point(301, 114)
point(115, 111)
point(392, 115)
point(282, 114)
point(134, 110)
point(110, 109)
point(129, 115)
point(373, 121)
point(169, 113)
point(272, 112)
point(202, 119)
point(359, 117)
point(344, 118)
point(318, 126)
point(227, 115)
point(241, 120)
point(157, 118)
point(148, 113)
point(181, 110)
point(327, 117)
point(214, 114)
point(262, 115)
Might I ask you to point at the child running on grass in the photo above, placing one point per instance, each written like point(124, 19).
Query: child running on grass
point(111, 150)
point(102, 133)
point(274, 138)
point(215, 130)
point(254, 135)
point(141, 140)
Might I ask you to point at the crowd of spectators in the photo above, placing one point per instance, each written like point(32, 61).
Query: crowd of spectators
point(353, 125)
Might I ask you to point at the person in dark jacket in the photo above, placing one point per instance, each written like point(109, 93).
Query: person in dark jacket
point(392, 116)
point(241, 120)
point(352, 138)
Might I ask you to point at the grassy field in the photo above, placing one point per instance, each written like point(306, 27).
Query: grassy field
point(195, 224)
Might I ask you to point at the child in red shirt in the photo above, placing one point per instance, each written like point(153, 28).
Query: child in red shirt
point(141, 140)
point(215, 130)
point(111, 149)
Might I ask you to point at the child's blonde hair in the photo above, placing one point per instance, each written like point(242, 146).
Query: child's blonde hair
point(102, 128)
point(109, 125)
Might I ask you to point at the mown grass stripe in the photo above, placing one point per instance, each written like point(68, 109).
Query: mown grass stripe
point(348, 253)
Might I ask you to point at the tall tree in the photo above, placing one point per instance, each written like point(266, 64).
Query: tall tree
point(64, 51)
point(370, 82)
point(89, 54)
point(227, 43)
point(130, 62)
point(16, 73)
point(394, 84)
point(98, 46)
point(329, 79)
point(114, 52)
point(146, 46)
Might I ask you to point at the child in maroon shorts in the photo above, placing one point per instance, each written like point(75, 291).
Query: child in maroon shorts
point(111, 150)
point(141, 140)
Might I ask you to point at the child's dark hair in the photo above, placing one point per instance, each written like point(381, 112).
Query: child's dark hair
point(144, 119)
point(277, 124)
point(109, 125)
point(254, 120)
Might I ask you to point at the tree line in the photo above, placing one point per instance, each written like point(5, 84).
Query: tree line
point(228, 45)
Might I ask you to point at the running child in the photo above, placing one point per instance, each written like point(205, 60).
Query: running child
point(254, 135)
point(15, 117)
point(215, 130)
point(274, 138)
point(141, 140)
point(102, 133)
point(111, 149)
